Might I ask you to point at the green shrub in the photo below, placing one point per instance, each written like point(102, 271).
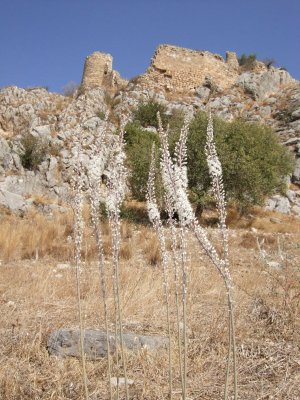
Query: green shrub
point(146, 114)
point(138, 150)
point(139, 144)
point(33, 152)
point(135, 215)
point(253, 161)
point(247, 60)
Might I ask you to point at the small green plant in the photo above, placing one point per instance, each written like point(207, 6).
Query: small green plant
point(247, 60)
point(33, 152)
point(102, 115)
point(146, 114)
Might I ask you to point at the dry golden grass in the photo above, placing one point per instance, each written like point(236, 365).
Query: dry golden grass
point(37, 297)
point(35, 235)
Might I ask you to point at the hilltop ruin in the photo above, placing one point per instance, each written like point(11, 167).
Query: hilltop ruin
point(98, 72)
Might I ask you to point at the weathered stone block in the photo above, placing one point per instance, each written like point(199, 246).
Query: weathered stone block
point(66, 343)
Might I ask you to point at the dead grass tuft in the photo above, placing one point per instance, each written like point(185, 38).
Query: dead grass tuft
point(151, 250)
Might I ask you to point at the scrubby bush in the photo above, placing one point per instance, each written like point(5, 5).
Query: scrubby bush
point(146, 114)
point(138, 150)
point(269, 62)
point(247, 60)
point(33, 152)
point(253, 161)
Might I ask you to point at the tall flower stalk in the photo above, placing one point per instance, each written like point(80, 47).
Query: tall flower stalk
point(174, 176)
point(215, 172)
point(155, 219)
point(94, 175)
point(176, 262)
point(78, 232)
point(116, 192)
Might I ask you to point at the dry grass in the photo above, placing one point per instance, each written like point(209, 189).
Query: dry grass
point(258, 218)
point(39, 297)
point(151, 249)
point(35, 235)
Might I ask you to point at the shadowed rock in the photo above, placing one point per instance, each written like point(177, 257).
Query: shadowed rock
point(66, 343)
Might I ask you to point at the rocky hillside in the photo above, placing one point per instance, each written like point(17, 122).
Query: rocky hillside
point(177, 78)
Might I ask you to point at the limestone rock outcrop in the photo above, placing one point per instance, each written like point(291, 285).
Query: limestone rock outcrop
point(180, 79)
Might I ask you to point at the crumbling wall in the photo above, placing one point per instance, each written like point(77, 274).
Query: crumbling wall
point(98, 72)
point(180, 70)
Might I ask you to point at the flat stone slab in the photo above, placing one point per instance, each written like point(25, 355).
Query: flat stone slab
point(66, 343)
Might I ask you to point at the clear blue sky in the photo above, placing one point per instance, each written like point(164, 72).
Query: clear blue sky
point(45, 42)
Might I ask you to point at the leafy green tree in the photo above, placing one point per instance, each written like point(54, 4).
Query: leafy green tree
point(139, 144)
point(253, 161)
point(146, 114)
point(138, 150)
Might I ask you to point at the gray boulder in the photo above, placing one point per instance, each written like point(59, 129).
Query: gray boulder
point(5, 154)
point(261, 85)
point(295, 114)
point(12, 201)
point(279, 203)
point(202, 92)
point(42, 131)
point(30, 183)
point(66, 343)
point(296, 173)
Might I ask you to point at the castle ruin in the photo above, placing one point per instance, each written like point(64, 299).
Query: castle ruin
point(98, 72)
point(173, 69)
point(182, 70)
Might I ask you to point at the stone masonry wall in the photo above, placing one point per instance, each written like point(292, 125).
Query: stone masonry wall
point(179, 69)
point(98, 72)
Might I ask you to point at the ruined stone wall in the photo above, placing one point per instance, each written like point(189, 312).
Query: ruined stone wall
point(98, 72)
point(179, 69)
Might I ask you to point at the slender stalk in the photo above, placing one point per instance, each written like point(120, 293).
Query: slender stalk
point(78, 241)
point(215, 171)
point(176, 282)
point(166, 295)
point(115, 196)
point(116, 244)
point(81, 327)
point(154, 217)
point(184, 309)
point(228, 357)
point(231, 317)
point(99, 244)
